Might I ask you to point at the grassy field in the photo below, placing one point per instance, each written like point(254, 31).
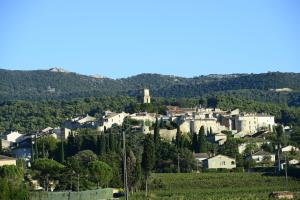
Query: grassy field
point(216, 186)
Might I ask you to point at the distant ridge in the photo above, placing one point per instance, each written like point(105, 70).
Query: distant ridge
point(58, 69)
point(44, 84)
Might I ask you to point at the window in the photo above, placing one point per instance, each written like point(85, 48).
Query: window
point(232, 162)
point(223, 163)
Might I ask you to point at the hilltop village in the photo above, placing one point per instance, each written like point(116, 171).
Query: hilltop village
point(217, 126)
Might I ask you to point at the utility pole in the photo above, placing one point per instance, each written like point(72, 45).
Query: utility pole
point(78, 182)
point(178, 166)
point(71, 183)
point(278, 157)
point(286, 178)
point(125, 167)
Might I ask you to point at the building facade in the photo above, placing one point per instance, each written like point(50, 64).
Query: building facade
point(219, 162)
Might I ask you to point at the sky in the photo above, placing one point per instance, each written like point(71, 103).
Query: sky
point(123, 38)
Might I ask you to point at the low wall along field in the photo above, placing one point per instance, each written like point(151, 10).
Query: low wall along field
point(99, 194)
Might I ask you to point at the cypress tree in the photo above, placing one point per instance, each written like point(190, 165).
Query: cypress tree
point(102, 144)
point(202, 141)
point(71, 148)
point(148, 158)
point(137, 173)
point(112, 142)
point(36, 153)
point(195, 145)
point(156, 135)
point(32, 150)
point(62, 151)
point(98, 145)
point(43, 148)
point(178, 138)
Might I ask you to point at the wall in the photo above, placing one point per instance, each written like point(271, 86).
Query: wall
point(7, 162)
point(219, 161)
point(167, 134)
point(106, 193)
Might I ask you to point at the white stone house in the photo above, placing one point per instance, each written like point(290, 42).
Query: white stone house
point(219, 162)
point(111, 118)
point(294, 162)
point(144, 116)
point(259, 156)
point(61, 133)
point(289, 148)
point(251, 123)
point(14, 137)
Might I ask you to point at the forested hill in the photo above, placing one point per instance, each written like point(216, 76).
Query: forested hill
point(53, 84)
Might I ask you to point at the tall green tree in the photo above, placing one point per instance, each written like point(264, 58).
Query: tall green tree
point(156, 135)
point(202, 141)
point(195, 146)
point(71, 147)
point(36, 151)
point(295, 136)
point(100, 172)
point(4, 189)
point(101, 144)
point(178, 139)
point(230, 148)
point(112, 141)
point(148, 158)
point(48, 169)
point(280, 135)
point(0, 145)
point(62, 151)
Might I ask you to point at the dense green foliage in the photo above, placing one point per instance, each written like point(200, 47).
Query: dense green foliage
point(40, 84)
point(216, 186)
point(11, 183)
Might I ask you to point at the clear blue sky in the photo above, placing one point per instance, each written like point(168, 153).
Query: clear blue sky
point(123, 38)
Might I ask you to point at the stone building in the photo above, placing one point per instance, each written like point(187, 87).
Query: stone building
point(146, 96)
point(219, 162)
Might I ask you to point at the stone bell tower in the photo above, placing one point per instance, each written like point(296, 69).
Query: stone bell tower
point(146, 98)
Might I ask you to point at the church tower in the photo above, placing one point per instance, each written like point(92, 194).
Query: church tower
point(146, 98)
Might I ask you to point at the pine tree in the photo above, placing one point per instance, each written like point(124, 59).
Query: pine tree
point(148, 158)
point(202, 141)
